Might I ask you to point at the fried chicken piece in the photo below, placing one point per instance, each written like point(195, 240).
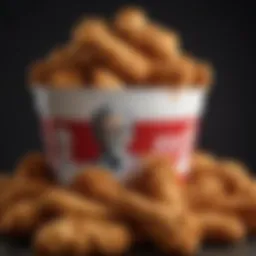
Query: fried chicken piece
point(119, 55)
point(59, 202)
point(33, 166)
point(160, 221)
point(83, 237)
point(218, 227)
point(21, 219)
point(19, 190)
point(133, 24)
point(105, 79)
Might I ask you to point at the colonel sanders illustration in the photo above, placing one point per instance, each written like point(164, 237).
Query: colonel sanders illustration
point(113, 133)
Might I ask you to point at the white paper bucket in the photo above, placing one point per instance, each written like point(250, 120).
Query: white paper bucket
point(114, 128)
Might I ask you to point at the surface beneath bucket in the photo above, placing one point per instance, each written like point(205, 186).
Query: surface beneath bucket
point(245, 248)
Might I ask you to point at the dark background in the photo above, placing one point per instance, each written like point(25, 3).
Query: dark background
point(221, 31)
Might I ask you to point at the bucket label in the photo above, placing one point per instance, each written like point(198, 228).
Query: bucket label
point(112, 142)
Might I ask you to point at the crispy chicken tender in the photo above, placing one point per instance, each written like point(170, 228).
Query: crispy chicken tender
point(206, 193)
point(177, 73)
point(162, 42)
point(157, 219)
point(66, 78)
point(163, 224)
point(209, 193)
point(82, 237)
point(246, 209)
point(203, 164)
point(19, 190)
point(182, 72)
point(61, 237)
point(33, 166)
point(87, 183)
point(235, 176)
point(84, 184)
point(134, 25)
point(57, 69)
point(83, 55)
point(188, 239)
point(58, 202)
point(161, 181)
point(103, 78)
point(21, 219)
point(222, 185)
point(79, 57)
point(122, 57)
point(219, 227)
point(130, 19)
point(204, 74)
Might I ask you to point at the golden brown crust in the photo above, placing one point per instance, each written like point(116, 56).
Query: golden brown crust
point(21, 189)
point(122, 57)
point(105, 79)
point(222, 228)
point(21, 219)
point(61, 237)
point(33, 165)
point(59, 202)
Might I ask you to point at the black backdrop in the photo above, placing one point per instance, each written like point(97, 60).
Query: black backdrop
point(220, 31)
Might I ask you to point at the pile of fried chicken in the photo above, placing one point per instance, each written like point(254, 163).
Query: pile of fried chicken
point(96, 214)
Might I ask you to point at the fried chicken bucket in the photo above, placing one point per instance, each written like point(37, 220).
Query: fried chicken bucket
point(116, 129)
point(118, 90)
